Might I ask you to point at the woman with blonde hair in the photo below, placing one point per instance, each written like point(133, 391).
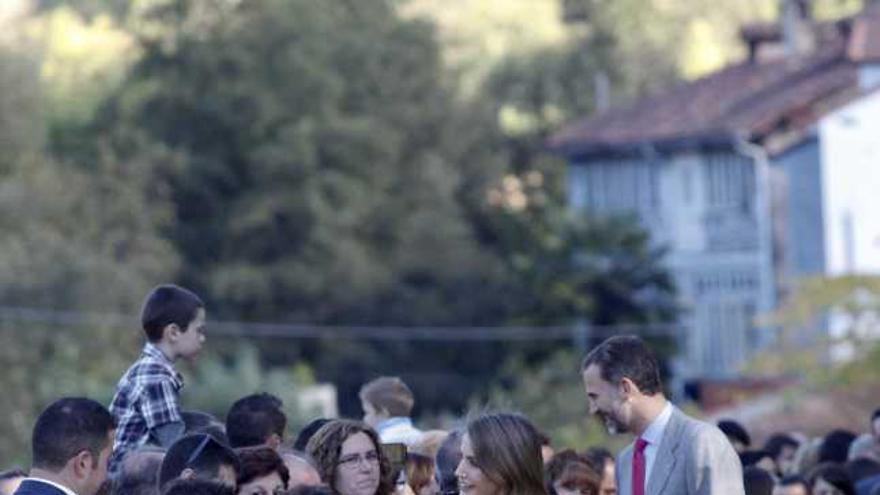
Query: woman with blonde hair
point(350, 459)
point(501, 455)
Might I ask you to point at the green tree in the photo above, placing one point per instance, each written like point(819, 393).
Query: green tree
point(313, 171)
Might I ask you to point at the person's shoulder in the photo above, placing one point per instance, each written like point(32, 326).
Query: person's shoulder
point(702, 435)
point(697, 428)
point(33, 486)
point(148, 370)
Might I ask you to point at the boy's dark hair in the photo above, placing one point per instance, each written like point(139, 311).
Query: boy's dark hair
point(757, 481)
point(309, 430)
point(200, 452)
point(777, 442)
point(835, 446)
point(389, 393)
point(66, 428)
point(735, 430)
point(626, 356)
point(253, 419)
point(260, 461)
point(198, 486)
point(166, 305)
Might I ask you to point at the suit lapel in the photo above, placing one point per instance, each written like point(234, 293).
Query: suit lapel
point(667, 455)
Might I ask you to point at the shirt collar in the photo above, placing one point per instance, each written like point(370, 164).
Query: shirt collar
point(653, 434)
point(393, 422)
point(63, 488)
point(153, 351)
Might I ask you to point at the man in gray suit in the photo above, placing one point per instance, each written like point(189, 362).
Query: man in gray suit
point(673, 453)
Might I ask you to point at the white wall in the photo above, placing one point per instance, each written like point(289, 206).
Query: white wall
point(850, 151)
point(869, 76)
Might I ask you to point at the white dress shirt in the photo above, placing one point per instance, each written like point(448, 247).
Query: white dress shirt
point(653, 434)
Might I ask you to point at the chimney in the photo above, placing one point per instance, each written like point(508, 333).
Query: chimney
point(864, 46)
point(798, 33)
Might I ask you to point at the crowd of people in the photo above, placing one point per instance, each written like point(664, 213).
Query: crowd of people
point(145, 444)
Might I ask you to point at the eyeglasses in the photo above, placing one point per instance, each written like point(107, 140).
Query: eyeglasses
point(352, 461)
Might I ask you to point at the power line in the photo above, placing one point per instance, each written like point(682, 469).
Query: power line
point(61, 318)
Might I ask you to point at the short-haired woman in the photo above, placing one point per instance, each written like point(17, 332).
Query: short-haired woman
point(350, 459)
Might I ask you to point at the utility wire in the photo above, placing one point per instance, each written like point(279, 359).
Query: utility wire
point(60, 318)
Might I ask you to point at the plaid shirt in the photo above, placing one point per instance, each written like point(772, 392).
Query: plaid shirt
point(146, 398)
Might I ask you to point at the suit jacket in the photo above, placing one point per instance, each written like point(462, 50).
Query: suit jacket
point(693, 458)
point(37, 487)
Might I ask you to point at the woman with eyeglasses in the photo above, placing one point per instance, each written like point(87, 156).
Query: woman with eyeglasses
point(501, 455)
point(263, 471)
point(350, 459)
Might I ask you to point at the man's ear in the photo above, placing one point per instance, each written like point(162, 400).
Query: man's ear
point(628, 388)
point(82, 464)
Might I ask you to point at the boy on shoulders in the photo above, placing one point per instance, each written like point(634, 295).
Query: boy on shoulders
point(146, 402)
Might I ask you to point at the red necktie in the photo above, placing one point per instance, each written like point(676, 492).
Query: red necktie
point(638, 474)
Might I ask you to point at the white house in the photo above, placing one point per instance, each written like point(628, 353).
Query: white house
point(765, 171)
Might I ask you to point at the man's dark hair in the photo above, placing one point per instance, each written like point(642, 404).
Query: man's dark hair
point(833, 474)
point(861, 468)
point(198, 487)
point(753, 457)
point(757, 481)
point(200, 452)
point(777, 442)
point(598, 457)
point(875, 415)
point(260, 461)
point(66, 428)
point(139, 472)
point(448, 457)
point(835, 446)
point(166, 305)
point(735, 430)
point(253, 419)
point(626, 356)
point(202, 422)
point(308, 431)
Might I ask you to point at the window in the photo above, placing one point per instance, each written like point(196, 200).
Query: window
point(730, 181)
point(616, 186)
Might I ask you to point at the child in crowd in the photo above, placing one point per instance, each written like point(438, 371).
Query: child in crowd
point(146, 402)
